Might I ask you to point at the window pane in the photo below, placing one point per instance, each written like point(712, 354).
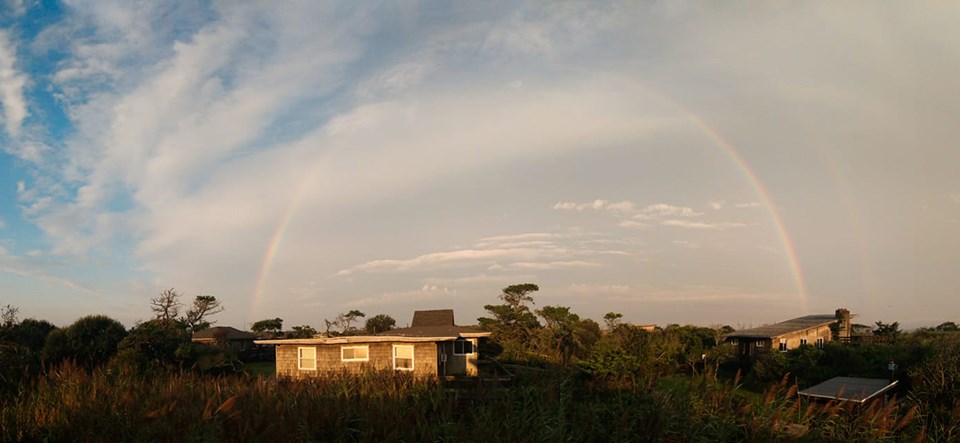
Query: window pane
point(348, 353)
point(360, 353)
point(403, 351)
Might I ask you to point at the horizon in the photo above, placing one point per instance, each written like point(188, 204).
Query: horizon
point(677, 162)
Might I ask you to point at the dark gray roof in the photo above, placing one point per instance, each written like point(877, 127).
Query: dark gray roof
point(786, 327)
point(223, 333)
point(436, 317)
point(849, 388)
point(435, 323)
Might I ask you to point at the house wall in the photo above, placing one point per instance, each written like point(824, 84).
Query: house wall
point(811, 335)
point(380, 358)
point(458, 364)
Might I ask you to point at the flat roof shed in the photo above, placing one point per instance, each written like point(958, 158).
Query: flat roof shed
point(849, 389)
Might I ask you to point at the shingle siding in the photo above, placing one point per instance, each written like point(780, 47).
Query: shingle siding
point(380, 358)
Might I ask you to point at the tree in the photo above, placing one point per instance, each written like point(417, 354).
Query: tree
point(562, 325)
point(612, 320)
point(89, 341)
point(203, 307)
point(153, 344)
point(343, 322)
point(8, 316)
point(887, 329)
point(379, 323)
point(304, 331)
point(166, 306)
point(512, 324)
point(947, 327)
point(29, 332)
point(268, 327)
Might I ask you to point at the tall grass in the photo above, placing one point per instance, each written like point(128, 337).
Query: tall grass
point(73, 404)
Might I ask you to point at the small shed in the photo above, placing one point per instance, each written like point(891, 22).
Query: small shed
point(853, 389)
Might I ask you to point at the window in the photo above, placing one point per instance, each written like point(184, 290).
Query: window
point(783, 344)
point(803, 342)
point(307, 359)
point(354, 353)
point(761, 344)
point(462, 347)
point(733, 341)
point(820, 343)
point(403, 357)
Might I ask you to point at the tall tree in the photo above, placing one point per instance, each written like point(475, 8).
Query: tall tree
point(562, 326)
point(304, 331)
point(270, 327)
point(379, 323)
point(612, 320)
point(203, 307)
point(166, 306)
point(512, 323)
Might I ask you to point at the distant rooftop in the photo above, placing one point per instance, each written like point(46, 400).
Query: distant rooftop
point(849, 389)
point(786, 327)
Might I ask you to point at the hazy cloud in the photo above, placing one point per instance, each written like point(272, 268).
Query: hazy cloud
point(701, 225)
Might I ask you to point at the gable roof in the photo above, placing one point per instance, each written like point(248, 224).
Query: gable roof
point(223, 333)
point(436, 317)
point(849, 388)
point(786, 327)
point(435, 323)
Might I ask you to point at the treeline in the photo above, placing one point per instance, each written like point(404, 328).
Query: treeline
point(30, 347)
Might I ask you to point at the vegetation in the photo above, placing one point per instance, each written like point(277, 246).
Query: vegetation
point(575, 381)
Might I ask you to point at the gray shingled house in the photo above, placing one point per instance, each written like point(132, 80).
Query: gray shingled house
point(813, 330)
point(225, 336)
point(433, 346)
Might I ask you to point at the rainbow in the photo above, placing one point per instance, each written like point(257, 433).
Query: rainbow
point(696, 120)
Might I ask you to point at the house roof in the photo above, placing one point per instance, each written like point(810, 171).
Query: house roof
point(428, 326)
point(849, 388)
point(223, 333)
point(436, 317)
point(435, 323)
point(786, 327)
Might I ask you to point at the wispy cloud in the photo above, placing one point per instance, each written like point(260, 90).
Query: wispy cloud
point(717, 204)
point(701, 225)
point(748, 205)
point(12, 83)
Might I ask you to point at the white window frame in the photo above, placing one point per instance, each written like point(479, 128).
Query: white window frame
point(366, 352)
point(413, 353)
point(301, 358)
point(473, 348)
point(820, 343)
point(803, 342)
point(783, 345)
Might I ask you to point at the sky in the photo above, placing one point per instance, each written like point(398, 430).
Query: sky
point(684, 162)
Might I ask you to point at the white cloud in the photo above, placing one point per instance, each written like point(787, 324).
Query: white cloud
point(702, 225)
point(687, 244)
point(717, 204)
point(12, 84)
point(663, 210)
point(546, 266)
point(748, 205)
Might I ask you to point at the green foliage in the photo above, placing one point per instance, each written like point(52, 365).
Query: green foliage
point(200, 311)
point(154, 344)
point(887, 329)
point(512, 324)
point(379, 323)
point(29, 332)
point(90, 341)
point(304, 331)
point(270, 327)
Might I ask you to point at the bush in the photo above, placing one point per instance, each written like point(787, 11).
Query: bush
point(90, 341)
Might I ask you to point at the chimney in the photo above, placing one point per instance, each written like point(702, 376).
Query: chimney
point(843, 321)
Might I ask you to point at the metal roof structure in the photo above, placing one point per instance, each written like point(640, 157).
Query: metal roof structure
point(785, 327)
point(853, 389)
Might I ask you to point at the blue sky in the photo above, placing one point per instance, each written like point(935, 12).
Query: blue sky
point(679, 162)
